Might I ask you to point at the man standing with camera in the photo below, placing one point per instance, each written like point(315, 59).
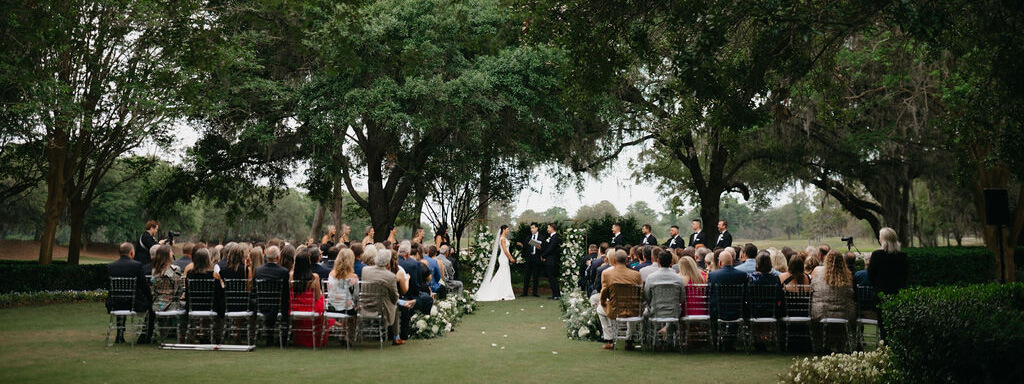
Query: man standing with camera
point(147, 241)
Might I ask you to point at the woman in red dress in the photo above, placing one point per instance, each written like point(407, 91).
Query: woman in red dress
point(306, 296)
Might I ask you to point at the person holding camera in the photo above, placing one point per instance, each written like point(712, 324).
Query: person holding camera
point(147, 241)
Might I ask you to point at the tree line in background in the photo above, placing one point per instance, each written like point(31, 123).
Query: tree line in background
point(901, 112)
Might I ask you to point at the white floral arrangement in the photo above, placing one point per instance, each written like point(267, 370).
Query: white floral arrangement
point(476, 259)
point(858, 367)
point(580, 318)
point(443, 316)
point(574, 249)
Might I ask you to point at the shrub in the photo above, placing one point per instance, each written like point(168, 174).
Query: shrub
point(857, 367)
point(18, 299)
point(28, 276)
point(950, 266)
point(957, 334)
point(600, 230)
point(580, 318)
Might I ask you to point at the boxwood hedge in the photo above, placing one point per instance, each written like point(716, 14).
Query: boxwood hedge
point(29, 276)
point(957, 334)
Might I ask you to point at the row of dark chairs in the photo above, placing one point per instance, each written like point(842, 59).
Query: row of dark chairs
point(250, 307)
point(741, 313)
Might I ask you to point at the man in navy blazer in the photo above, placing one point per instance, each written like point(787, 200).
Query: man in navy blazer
point(725, 275)
point(126, 266)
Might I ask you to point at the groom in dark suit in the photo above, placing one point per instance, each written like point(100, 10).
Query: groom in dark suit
point(551, 255)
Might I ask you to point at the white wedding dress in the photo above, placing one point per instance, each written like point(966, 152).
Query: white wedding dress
point(497, 284)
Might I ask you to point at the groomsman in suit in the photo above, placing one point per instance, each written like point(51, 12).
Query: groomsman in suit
point(649, 238)
point(675, 241)
point(616, 236)
point(534, 267)
point(697, 237)
point(551, 255)
point(724, 237)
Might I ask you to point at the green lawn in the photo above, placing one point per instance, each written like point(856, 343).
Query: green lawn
point(64, 343)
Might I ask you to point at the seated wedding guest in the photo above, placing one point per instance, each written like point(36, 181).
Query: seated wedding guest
point(650, 268)
point(369, 256)
point(215, 254)
point(811, 252)
point(272, 271)
point(788, 253)
point(597, 263)
point(726, 274)
point(287, 256)
point(126, 266)
point(256, 258)
point(664, 306)
point(449, 270)
point(343, 288)
point(318, 268)
point(693, 276)
point(585, 265)
point(607, 310)
point(711, 261)
point(380, 273)
point(810, 264)
point(833, 292)
point(779, 261)
point(330, 255)
point(747, 255)
point(596, 287)
point(167, 281)
point(701, 257)
point(357, 265)
point(201, 267)
point(763, 271)
point(646, 257)
point(305, 295)
point(795, 275)
point(861, 277)
point(186, 256)
point(436, 271)
point(234, 266)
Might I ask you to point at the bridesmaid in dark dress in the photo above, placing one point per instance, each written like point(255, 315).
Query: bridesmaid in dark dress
point(441, 236)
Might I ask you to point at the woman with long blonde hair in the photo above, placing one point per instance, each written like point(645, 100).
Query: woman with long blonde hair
point(833, 292)
point(690, 273)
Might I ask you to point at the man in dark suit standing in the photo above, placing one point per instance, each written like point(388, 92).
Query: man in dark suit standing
point(126, 266)
point(697, 237)
point(147, 241)
point(551, 255)
point(724, 237)
point(534, 267)
point(649, 238)
point(272, 271)
point(674, 241)
point(616, 236)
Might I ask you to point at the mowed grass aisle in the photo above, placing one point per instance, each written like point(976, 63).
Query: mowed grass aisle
point(64, 343)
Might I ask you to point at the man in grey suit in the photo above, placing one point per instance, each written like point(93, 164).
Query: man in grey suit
point(380, 274)
point(665, 306)
point(449, 269)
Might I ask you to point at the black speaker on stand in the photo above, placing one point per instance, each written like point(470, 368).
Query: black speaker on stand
point(997, 213)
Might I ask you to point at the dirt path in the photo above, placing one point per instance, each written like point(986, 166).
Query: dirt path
point(29, 250)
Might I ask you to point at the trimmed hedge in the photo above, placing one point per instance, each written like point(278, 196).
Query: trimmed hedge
point(957, 334)
point(20, 299)
point(29, 276)
point(950, 266)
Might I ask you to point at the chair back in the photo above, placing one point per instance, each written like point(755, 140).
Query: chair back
point(200, 294)
point(237, 295)
point(371, 299)
point(696, 299)
point(765, 300)
point(664, 301)
point(268, 296)
point(305, 301)
point(624, 300)
point(867, 301)
point(797, 303)
point(730, 300)
point(122, 293)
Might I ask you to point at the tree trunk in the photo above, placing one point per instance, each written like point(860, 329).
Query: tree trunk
point(337, 205)
point(318, 221)
point(484, 195)
point(56, 194)
point(997, 177)
point(710, 202)
point(77, 212)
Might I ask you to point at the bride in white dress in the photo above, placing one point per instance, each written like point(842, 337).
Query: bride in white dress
point(497, 284)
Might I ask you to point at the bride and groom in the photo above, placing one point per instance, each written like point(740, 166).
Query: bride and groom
point(497, 284)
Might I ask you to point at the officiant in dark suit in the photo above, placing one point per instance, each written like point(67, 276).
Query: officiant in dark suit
point(617, 240)
point(697, 237)
point(648, 238)
point(724, 237)
point(534, 267)
point(551, 255)
point(674, 240)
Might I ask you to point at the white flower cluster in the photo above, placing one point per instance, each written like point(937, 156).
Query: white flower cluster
point(574, 248)
point(476, 259)
point(580, 318)
point(858, 367)
point(443, 316)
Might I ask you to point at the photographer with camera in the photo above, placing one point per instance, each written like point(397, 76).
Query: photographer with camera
point(147, 241)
